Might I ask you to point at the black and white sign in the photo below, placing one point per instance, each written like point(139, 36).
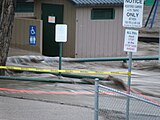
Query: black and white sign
point(61, 33)
point(133, 13)
point(131, 40)
point(51, 19)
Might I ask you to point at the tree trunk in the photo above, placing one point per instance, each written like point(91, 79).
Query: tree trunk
point(7, 10)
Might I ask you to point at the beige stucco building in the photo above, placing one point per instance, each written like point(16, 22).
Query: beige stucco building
point(94, 28)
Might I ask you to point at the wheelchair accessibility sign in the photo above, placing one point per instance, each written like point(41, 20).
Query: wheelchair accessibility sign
point(32, 35)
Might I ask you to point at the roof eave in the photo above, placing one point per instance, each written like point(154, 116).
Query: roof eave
point(99, 5)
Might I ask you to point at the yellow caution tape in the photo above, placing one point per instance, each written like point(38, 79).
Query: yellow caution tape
point(63, 71)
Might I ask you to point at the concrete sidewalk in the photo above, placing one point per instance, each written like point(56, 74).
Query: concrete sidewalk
point(20, 109)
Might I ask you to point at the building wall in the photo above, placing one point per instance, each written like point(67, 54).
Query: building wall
point(69, 19)
point(99, 38)
point(20, 36)
point(31, 14)
point(86, 37)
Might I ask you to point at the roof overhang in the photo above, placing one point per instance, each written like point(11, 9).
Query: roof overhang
point(87, 3)
point(97, 2)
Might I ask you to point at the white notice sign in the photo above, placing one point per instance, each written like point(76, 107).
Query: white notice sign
point(61, 33)
point(51, 19)
point(133, 13)
point(131, 40)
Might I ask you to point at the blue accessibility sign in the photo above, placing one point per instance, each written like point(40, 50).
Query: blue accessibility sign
point(32, 35)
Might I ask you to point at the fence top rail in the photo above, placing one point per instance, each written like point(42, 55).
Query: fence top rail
point(129, 95)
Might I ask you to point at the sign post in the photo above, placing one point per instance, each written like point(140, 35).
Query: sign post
point(132, 18)
point(130, 45)
point(61, 36)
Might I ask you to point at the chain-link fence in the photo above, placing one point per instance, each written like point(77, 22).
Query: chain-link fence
point(111, 104)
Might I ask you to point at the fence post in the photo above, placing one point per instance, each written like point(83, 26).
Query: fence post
point(96, 102)
point(129, 85)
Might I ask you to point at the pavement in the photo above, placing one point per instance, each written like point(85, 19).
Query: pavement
point(22, 109)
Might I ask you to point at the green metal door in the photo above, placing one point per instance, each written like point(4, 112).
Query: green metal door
point(50, 47)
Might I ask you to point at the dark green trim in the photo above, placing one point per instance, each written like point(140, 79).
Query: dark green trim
point(25, 7)
point(42, 80)
point(115, 59)
point(102, 13)
point(149, 2)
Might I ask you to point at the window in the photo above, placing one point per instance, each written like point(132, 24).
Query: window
point(25, 7)
point(102, 13)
